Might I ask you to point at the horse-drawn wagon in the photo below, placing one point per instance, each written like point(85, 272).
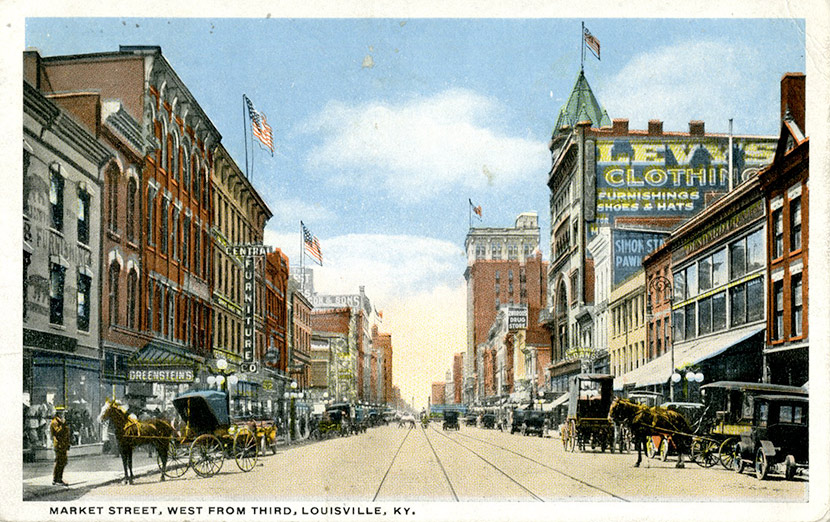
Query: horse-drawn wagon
point(587, 421)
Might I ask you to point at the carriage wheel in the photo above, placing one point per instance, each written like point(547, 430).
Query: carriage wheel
point(563, 434)
point(245, 449)
point(761, 465)
point(705, 453)
point(725, 452)
point(738, 463)
point(206, 455)
point(664, 449)
point(573, 435)
point(177, 459)
point(651, 449)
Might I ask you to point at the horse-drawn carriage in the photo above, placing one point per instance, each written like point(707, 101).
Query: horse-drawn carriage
point(336, 420)
point(587, 421)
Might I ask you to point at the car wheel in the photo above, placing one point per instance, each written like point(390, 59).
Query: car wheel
point(761, 465)
point(737, 461)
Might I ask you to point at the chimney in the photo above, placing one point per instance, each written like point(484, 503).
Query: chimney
point(655, 128)
point(792, 97)
point(696, 128)
point(620, 126)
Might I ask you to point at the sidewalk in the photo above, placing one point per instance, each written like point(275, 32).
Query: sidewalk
point(83, 472)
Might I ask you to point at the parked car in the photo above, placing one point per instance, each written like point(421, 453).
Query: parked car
point(532, 422)
point(778, 438)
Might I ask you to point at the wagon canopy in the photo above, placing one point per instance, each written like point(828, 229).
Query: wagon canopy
point(205, 410)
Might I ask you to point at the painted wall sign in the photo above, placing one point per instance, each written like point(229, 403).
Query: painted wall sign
point(629, 247)
point(718, 229)
point(669, 176)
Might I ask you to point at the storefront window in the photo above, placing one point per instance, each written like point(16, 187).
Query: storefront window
point(704, 311)
point(82, 405)
point(690, 321)
point(680, 285)
point(705, 274)
point(691, 281)
point(755, 301)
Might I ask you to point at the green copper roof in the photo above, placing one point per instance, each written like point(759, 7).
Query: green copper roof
point(582, 105)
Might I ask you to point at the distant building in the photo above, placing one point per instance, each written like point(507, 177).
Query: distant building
point(299, 338)
point(334, 354)
point(504, 267)
point(458, 377)
point(437, 396)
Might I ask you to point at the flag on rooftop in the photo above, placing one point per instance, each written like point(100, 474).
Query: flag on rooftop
point(591, 41)
point(259, 126)
point(476, 209)
point(312, 245)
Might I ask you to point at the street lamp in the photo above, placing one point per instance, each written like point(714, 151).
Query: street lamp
point(689, 377)
point(662, 285)
point(222, 377)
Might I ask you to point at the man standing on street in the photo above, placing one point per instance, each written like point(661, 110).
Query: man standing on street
point(60, 440)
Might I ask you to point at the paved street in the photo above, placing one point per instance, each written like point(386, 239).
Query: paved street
point(400, 464)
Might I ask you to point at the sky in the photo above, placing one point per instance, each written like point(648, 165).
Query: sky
point(385, 128)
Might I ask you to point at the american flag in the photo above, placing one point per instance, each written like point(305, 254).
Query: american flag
point(591, 41)
point(312, 245)
point(476, 209)
point(259, 127)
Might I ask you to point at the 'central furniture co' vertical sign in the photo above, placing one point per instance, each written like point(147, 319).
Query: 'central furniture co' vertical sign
point(248, 253)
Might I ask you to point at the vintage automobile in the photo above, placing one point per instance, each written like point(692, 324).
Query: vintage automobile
point(531, 422)
point(450, 420)
point(778, 437)
point(470, 419)
point(488, 420)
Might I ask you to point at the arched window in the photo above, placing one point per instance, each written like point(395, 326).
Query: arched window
point(114, 272)
point(163, 140)
point(112, 200)
point(185, 165)
point(132, 190)
point(175, 150)
point(132, 298)
point(195, 188)
point(203, 190)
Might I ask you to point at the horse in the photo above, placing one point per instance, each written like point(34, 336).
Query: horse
point(130, 432)
point(644, 421)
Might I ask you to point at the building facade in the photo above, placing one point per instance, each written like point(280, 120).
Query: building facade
point(604, 174)
point(62, 200)
point(502, 268)
point(785, 184)
point(299, 341)
point(627, 325)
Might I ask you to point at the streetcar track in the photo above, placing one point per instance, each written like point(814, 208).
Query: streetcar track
point(534, 495)
point(575, 479)
point(392, 463)
point(438, 459)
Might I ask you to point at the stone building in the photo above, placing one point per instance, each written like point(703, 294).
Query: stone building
point(63, 164)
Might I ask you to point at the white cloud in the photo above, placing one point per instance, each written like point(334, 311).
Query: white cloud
point(286, 212)
point(425, 145)
point(691, 80)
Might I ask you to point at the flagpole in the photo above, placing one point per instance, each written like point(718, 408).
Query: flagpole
point(245, 133)
point(582, 48)
point(470, 211)
point(302, 261)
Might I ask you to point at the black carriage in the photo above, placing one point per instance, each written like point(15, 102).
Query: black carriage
point(588, 423)
point(529, 422)
point(778, 438)
point(471, 419)
point(450, 420)
point(729, 413)
point(336, 420)
point(209, 435)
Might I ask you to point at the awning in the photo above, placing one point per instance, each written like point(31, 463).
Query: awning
point(156, 353)
point(562, 399)
point(659, 370)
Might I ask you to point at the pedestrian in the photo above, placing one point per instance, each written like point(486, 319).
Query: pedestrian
point(60, 440)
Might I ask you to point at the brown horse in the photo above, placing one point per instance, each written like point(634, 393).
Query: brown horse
point(130, 432)
point(645, 421)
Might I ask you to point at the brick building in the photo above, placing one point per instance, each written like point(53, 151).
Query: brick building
point(299, 340)
point(604, 174)
point(458, 377)
point(437, 393)
point(786, 197)
point(334, 353)
point(504, 267)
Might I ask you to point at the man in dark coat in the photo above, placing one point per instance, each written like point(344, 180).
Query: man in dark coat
point(60, 440)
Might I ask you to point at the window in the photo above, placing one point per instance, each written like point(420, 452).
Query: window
point(159, 325)
point(150, 292)
point(737, 300)
point(132, 190)
point(185, 167)
point(755, 259)
point(84, 285)
point(795, 224)
point(680, 284)
point(112, 200)
point(113, 293)
point(56, 197)
point(132, 284)
point(174, 158)
point(719, 273)
point(27, 260)
point(704, 311)
point(480, 252)
point(512, 252)
point(57, 275)
point(778, 310)
point(689, 327)
point(171, 312)
point(719, 311)
point(777, 233)
point(151, 215)
point(165, 216)
point(83, 217)
point(174, 234)
point(186, 241)
point(797, 308)
point(704, 270)
point(678, 321)
point(197, 235)
point(737, 259)
point(755, 300)
point(204, 188)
